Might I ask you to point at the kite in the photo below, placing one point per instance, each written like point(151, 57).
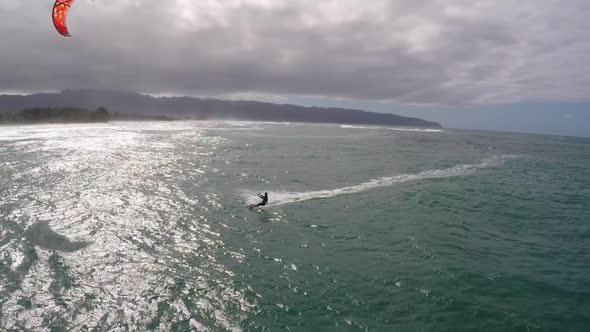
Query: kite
point(60, 11)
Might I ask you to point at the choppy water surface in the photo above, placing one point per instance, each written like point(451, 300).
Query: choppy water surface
point(142, 226)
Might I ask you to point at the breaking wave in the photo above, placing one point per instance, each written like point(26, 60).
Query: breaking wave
point(394, 128)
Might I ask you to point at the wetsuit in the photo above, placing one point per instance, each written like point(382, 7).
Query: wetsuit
point(264, 200)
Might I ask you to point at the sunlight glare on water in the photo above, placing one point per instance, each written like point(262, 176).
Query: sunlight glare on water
point(118, 189)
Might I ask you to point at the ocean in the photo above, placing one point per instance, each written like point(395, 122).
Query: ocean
point(142, 226)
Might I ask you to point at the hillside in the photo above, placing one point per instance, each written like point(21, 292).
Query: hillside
point(203, 109)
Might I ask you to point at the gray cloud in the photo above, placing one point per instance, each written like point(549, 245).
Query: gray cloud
point(443, 52)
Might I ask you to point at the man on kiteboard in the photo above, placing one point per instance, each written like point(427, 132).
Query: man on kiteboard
point(264, 201)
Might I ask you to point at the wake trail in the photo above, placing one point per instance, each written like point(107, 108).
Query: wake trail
point(285, 197)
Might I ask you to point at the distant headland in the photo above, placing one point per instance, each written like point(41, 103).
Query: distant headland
point(135, 106)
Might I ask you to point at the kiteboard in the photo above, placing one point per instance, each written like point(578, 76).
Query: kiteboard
point(252, 206)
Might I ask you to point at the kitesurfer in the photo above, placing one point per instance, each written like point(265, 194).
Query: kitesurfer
point(264, 200)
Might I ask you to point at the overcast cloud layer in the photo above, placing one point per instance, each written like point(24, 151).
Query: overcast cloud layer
point(441, 52)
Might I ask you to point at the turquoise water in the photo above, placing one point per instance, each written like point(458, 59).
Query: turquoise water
point(143, 226)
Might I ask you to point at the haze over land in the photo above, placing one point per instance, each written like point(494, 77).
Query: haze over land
point(502, 65)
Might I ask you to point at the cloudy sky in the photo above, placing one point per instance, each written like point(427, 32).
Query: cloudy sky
point(447, 60)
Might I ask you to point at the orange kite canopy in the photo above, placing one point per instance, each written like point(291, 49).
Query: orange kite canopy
point(60, 11)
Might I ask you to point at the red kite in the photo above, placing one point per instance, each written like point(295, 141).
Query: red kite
point(60, 11)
